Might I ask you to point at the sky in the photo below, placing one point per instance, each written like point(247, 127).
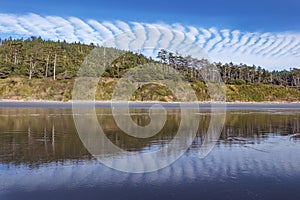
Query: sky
point(265, 32)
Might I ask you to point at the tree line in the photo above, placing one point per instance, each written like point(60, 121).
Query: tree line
point(37, 58)
point(230, 73)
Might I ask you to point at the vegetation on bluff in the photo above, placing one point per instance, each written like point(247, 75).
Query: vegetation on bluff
point(38, 69)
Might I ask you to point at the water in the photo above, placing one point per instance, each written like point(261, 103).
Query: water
point(256, 156)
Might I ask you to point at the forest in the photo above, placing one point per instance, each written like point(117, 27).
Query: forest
point(31, 62)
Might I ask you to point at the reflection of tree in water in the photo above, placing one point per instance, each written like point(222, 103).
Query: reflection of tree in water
point(256, 126)
point(36, 136)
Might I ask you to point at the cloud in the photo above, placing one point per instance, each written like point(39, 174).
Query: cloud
point(167, 36)
point(214, 40)
point(10, 24)
point(63, 29)
point(270, 50)
point(225, 39)
point(103, 31)
point(140, 36)
point(84, 31)
point(286, 48)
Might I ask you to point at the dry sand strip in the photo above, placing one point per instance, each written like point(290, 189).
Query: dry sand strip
point(149, 104)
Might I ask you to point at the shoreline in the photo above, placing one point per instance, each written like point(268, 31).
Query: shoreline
point(207, 105)
point(149, 102)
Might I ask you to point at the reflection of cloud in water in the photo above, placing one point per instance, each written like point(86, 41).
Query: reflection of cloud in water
point(113, 156)
point(223, 163)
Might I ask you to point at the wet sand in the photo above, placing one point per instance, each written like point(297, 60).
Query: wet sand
point(148, 104)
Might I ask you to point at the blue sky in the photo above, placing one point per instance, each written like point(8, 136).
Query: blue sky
point(254, 15)
point(264, 32)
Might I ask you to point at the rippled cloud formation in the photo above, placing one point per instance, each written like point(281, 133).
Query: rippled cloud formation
point(270, 50)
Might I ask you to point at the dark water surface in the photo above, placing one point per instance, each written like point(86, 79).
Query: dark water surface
point(257, 155)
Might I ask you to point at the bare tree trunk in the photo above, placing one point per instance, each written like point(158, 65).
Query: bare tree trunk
point(47, 65)
point(15, 58)
point(30, 72)
point(225, 77)
point(54, 67)
point(212, 74)
point(30, 68)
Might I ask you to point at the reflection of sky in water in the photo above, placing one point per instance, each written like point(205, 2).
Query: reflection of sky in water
point(276, 158)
